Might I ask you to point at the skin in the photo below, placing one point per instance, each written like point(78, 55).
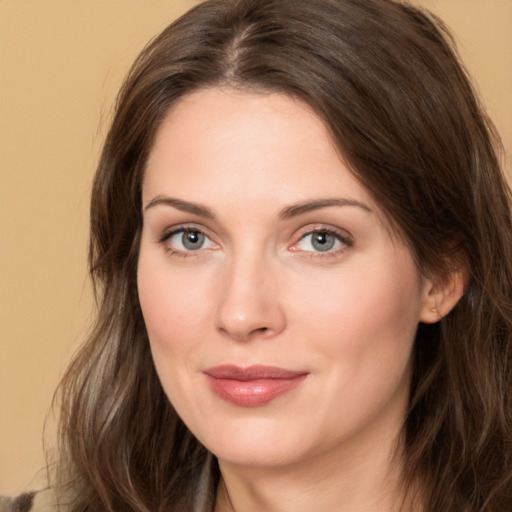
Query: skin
point(259, 292)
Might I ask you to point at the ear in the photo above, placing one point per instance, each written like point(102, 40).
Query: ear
point(441, 295)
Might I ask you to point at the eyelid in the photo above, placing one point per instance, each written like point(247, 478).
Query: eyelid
point(315, 228)
point(172, 230)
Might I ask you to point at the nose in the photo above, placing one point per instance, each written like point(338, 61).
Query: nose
point(249, 306)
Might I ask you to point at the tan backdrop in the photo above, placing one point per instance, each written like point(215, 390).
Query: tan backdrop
point(61, 63)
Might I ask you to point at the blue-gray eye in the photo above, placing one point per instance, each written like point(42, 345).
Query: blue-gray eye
point(189, 240)
point(320, 241)
point(323, 241)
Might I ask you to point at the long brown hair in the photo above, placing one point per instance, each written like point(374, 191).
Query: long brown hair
point(385, 78)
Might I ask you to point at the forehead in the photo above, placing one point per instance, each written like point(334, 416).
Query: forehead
point(243, 122)
point(240, 140)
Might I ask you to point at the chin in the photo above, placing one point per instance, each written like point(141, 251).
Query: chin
point(261, 443)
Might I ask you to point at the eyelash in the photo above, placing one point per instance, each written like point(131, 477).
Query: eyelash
point(343, 237)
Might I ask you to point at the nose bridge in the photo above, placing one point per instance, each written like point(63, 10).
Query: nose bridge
point(248, 302)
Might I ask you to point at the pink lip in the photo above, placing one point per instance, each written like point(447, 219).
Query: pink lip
point(254, 385)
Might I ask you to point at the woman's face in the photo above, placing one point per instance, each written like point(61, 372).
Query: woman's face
point(280, 310)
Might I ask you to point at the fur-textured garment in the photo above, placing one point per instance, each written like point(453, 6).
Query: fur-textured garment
point(46, 500)
point(30, 502)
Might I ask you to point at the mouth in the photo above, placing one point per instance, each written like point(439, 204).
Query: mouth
point(252, 386)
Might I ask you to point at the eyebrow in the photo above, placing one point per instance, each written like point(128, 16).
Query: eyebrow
point(286, 213)
point(179, 204)
point(317, 204)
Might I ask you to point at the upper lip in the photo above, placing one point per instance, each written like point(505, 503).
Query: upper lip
point(254, 372)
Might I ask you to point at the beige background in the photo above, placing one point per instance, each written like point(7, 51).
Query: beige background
point(61, 62)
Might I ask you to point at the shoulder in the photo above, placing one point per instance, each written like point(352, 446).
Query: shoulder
point(42, 501)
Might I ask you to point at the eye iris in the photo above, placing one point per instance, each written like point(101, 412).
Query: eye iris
point(323, 241)
point(192, 240)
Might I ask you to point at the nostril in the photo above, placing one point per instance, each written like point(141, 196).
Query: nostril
point(246, 335)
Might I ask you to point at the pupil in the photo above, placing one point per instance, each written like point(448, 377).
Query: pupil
point(192, 240)
point(323, 241)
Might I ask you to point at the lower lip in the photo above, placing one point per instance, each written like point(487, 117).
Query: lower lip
point(253, 393)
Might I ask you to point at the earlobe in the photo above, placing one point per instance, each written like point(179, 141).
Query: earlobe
point(442, 296)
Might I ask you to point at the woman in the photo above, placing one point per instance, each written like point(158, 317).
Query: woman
point(300, 240)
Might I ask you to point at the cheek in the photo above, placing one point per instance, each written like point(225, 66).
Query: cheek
point(364, 320)
point(361, 299)
point(364, 330)
point(170, 295)
point(174, 309)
